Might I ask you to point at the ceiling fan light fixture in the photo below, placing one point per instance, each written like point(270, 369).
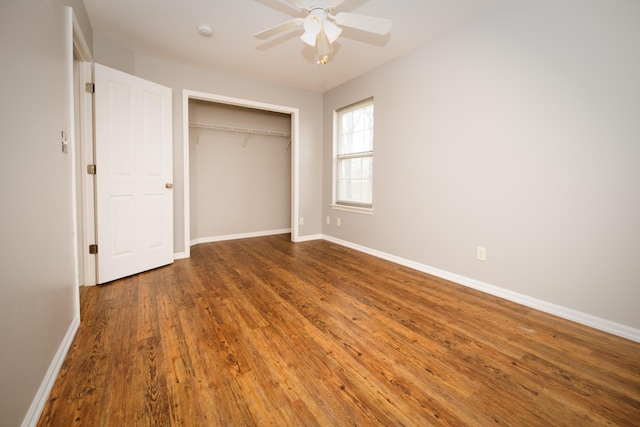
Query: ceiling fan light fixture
point(309, 38)
point(331, 30)
point(322, 28)
point(324, 48)
point(312, 27)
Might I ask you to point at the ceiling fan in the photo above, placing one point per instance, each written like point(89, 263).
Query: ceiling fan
point(321, 27)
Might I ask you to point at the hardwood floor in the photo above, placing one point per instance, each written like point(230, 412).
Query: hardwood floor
point(265, 332)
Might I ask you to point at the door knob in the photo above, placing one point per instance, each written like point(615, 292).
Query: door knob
point(169, 185)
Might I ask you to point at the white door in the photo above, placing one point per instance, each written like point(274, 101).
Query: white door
point(134, 174)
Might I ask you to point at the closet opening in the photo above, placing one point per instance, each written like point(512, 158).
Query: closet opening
point(241, 177)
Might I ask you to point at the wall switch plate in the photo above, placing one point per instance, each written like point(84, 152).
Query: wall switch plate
point(481, 253)
point(65, 142)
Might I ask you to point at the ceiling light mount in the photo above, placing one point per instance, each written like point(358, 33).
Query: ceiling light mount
point(205, 30)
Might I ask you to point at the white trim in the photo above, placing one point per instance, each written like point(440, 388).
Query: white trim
point(186, 198)
point(295, 175)
point(334, 159)
point(239, 236)
point(71, 137)
point(311, 237)
point(544, 306)
point(37, 405)
point(79, 42)
point(355, 209)
point(83, 141)
point(180, 255)
point(295, 168)
point(88, 276)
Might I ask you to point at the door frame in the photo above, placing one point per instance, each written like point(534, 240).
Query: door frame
point(220, 99)
point(82, 152)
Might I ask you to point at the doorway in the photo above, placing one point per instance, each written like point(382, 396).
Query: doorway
point(240, 172)
point(242, 139)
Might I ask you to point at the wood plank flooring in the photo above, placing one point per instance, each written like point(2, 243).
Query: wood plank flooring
point(266, 332)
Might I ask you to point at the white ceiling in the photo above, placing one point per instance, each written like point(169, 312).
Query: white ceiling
point(168, 29)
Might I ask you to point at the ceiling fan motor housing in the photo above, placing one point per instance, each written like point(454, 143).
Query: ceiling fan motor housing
point(320, 13)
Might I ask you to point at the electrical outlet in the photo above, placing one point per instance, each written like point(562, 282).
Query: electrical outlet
point(481, 253)
point(301, 221)
point(338, 222)
point(328, 220)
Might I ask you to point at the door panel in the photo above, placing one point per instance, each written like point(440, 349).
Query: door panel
point(134, 164)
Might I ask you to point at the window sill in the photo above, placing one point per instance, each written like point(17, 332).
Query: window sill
point(365, 211)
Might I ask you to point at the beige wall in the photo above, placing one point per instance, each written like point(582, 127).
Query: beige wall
point(518, 132)
point(113, 55)
point(38, 295)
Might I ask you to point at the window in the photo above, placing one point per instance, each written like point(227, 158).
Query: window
point(353, 167)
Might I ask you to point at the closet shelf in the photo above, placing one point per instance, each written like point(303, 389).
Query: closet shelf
point(240, 130)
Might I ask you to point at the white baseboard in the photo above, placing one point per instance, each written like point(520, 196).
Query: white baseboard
point(310, 238)
point(547, 307)
point(35, 410)
point(180, 255)
point(239, 236)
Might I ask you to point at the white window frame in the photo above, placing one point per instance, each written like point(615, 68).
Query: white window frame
point(364, 208)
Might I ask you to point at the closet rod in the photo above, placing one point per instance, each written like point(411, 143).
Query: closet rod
point(237, 129)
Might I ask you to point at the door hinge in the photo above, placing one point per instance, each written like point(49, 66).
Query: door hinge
point(93, 249)
point(90, 87)
point(91, 169)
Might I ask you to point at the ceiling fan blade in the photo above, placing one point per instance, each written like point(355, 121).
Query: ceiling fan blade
point(366, 23)
point(269, 32)
point(332, 4)
point(296, 5)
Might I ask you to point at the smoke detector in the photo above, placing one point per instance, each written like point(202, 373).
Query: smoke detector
point(205, 30)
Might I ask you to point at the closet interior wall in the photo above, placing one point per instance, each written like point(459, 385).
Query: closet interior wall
point(240, 178)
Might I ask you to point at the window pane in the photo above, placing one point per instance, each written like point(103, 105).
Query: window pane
point(358, 120)
point(368, 116)
point(367, 168)
point(368, 140)
point(347, 124)
point(358, 143)
point(345, 144)
point(342, 190)
point(355, 133)
point(355, 180)
point(343, 169)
